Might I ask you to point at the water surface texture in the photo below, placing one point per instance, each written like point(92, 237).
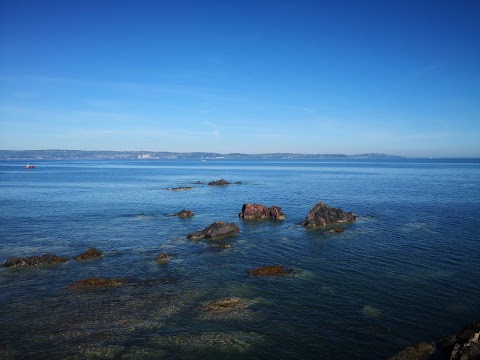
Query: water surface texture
point(406, 271)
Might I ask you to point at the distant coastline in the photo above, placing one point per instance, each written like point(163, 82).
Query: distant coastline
point(151, 155)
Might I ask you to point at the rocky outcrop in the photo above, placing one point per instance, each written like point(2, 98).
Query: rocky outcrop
point(270, 270)
point(181, 188)
point(217, 229)
point(323, 215)
point(259, 211)
point(463, 346)
point(91, 253)
point(46, 259)
point(185, 214)
point(219, 182)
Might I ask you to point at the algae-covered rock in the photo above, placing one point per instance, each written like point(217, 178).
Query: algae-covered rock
point(259, 211)
point(46, 259)
point(216, 229)
point(270, 270)
point(322, 215)
point(91, 253)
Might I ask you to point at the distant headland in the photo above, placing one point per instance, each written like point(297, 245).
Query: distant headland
point(152, 155)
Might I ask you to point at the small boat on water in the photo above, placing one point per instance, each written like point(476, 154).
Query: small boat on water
point(28, 166)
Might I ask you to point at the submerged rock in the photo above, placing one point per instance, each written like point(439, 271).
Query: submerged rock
point(97, 282)
point(46, 259)
point(465, 345)
point(163, 258)
point(92, 283)
point(217, 229)
point(91, 253)
point(259, 211)
point(185, 214)
point(270, 270)
point(336, 230)
point(225, 305)
point(181, 188)
point(322, 215)
point(219, 182)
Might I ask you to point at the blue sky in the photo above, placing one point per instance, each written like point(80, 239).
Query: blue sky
point(397, 77)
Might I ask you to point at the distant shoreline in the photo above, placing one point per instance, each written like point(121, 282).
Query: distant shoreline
point(163, 155)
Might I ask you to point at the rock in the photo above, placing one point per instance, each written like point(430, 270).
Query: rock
point(218, 228)
point(181, 188)
point(225, 305)
point(322, 215)
point(46, 259)
point(270, 270)
point(93, 283)
point(259, 211)
point(97, 282)
point(465, 345)
point(91, 253)
point(162, 258)
point(185, 214)
point(219, 182)
point(336, 230)
point(238, 183)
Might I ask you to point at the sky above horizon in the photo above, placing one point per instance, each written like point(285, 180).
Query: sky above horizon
point(395, 77)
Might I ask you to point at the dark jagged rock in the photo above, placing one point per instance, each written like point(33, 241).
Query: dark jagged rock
point(259, 211)
point(91, 253)
point(463, 346)
point(218, 228)
point(322, 215)
point(46, 259)
point(270, 270)
point(219, 182)
point(185, 214)
point(163, 258)
point(181, 188)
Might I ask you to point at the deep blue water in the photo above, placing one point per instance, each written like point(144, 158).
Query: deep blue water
point(406, 271)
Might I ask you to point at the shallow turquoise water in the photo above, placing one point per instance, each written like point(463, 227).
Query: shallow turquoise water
point(406, 271)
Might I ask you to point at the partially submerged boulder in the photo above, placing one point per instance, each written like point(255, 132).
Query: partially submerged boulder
point(185, 214)
point(46, 259)
point(180, 188)
point(97, 282)
point(219, 182)
point(93, 283)
point(464, 345)
point(217, 229)
point(162, 258)
point(91, 253)
point(323, 215)
point(270, 270)
point(259, 211)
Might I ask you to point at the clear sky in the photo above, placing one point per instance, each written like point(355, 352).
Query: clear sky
point(397, 77)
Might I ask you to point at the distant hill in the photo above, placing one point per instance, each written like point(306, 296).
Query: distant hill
point(148, 155)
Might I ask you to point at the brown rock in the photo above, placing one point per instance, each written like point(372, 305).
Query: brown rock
point(91, 253)
point(217, 229)
point(185, 214)
point(162, 258)
point(322, 215)
point(259, 211)
point(270, 270)
point(97, 282)
point(225, 305)
point(181, 188)
point(46, 259)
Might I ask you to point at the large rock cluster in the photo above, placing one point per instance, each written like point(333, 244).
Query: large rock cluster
point(46, 259)
point(259, 211)
point(463, 346)
point(322, 215)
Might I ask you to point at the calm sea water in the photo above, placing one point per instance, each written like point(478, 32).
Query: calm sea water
point(407, 270)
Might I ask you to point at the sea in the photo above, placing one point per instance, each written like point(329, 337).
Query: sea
point(406, 271)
